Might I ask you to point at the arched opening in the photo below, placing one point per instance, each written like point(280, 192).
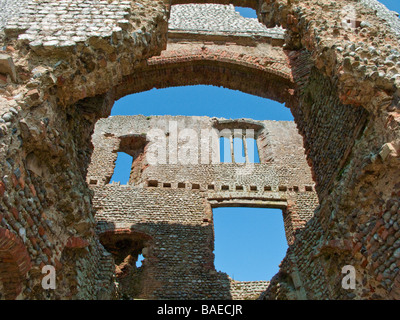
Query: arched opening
point(129, 249)
point(197, 107)
point(268, 76)
point(329, 114)
point(200, 100)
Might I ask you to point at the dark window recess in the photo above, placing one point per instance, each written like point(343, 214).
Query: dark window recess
point(152, 183)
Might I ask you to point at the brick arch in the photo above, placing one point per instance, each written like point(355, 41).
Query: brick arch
point(125, 245)
point(110, 237)
point(111, 231)
point(266, 77)
point(14, 263)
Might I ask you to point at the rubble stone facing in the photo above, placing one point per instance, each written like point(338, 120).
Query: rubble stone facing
point(247, 290)
point(9, 9)
point(179, 260)
point(50, 105)
point(217, 19)
point(354, 63)
point(46, 140)
point(172, 203)
point(389, 17)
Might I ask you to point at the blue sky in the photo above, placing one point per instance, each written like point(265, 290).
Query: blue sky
point(391, 4)
point(249, 242)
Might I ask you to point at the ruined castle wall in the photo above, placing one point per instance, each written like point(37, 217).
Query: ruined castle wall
point(46, 134)
point(172, 203)
point(46, 212)
point(179, 262)
point(280, 149)
point(352, 70)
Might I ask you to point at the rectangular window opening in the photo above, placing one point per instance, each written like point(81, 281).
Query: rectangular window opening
point(259, 237)
point(122, 170)
point(252, 150)
point(225, 150)
point(239, 150)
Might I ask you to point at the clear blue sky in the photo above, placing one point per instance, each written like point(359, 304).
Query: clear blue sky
point(249, 242)
point(391, 4)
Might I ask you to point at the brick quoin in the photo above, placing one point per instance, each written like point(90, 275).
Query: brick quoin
point(15, 263)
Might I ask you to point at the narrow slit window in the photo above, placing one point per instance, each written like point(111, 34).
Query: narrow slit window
point(252, 150)
point(239, 151)
point(139, 261)
point(225, 150)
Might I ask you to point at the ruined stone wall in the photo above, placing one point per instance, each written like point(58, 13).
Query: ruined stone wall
point(214, 19)
point(179, 259)
point(59, 74)
point(172, 203)
point(247, 290)
point(282, 159)
point(356, 71)
point(50, 59)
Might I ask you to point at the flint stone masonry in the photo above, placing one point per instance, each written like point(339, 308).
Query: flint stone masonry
point(64, 23)
point(341, 84)
point(279, 146)
point(9, 9)
point(179, 259)
point(391, 18)
point(216, 19)
point(179, 218)
point(247, 290)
